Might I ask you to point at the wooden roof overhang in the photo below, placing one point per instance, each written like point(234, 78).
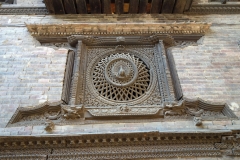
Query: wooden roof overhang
point(117, 6)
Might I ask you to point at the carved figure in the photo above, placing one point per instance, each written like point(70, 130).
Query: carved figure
point(71, 113)
point(124, 108)
point(174, 108)
point(49, 125)
point(197, 121)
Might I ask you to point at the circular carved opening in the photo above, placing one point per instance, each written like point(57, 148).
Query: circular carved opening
point(121, 77)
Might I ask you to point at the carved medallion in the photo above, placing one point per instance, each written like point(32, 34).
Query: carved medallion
point(120, 77)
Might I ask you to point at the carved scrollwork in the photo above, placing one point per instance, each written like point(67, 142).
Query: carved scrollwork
point(174, 108)
point(72, 112)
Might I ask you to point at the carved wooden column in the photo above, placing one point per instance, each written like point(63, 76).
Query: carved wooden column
point(78, 71)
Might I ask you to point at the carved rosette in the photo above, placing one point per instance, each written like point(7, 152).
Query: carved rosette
point(120, 78)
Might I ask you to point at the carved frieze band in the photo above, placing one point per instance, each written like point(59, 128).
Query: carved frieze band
point(114, 40)
point(63, 30)
point(61, 114)
point(217, 9)
point(122, 145)
point(23, 11)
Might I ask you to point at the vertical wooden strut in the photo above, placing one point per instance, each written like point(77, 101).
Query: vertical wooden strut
point(156, 6)
point(133, 6)
point(95, 6)
point(81, 6)
point(106, 6)
point(168, 6)
point(58, 7)
point(69, 6)
point(143, 6)
point(119, 6)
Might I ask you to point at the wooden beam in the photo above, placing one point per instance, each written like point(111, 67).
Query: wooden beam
point(106, 6)
point(156, 6)
point(119, 6)
point(49, 6)
point(81, 6)
point(69, 6)
point(179, 6)
point(133, 6)
point(58, 7)
point(188, 5)
point(167, 6)
point(142, 6)
point(95, 6)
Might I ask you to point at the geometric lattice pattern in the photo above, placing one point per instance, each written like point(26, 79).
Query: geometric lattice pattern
point(121, 77)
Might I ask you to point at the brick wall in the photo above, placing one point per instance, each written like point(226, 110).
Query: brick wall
point(29, 73)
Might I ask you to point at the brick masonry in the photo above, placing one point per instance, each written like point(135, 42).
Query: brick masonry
point(31, 74)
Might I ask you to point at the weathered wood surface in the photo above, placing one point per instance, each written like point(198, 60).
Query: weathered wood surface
point(49, 6)
point(179, 6)
point(133, 6)
point(168, 6)
point(95, 6)
point(119, 6)
point(69, 6)
point(58, 7)
point(188, 5)
point(156, 6)
point(106, 6)
point(81, 6)
point(142, 6)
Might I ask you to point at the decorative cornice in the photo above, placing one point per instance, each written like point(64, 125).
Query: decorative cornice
point(64, 30)
point(120, 145)
point(23, 10)
point(214, 9)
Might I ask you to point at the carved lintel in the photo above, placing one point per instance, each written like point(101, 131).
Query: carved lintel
point(124, 110)
point(126, 39)
point(48, 32)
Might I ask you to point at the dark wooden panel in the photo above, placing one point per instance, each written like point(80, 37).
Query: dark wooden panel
point(58, 7)
point(49, 6)
point(188, 5)
point(95, 6)
point(142, 6)
point(68, 77)
point(168, 6)
point(133, 6)
point(106, 6)
point(156, 6)
point(179, 6)
point(119, 6)
point(69, 6)
point(81, 6)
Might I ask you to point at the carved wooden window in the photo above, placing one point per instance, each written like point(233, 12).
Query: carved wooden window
point(120, 76)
